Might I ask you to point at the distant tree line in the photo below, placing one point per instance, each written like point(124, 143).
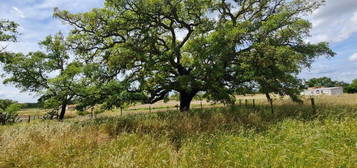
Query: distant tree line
point(328, 82)
point(31, 105)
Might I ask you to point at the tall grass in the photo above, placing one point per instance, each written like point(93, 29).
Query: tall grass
point(234, 136)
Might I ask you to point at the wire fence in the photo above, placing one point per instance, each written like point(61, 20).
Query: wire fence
point(153, 109)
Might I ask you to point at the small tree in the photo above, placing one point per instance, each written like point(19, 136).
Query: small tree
point(8, 111)
point(351, 88)
point(53, 75)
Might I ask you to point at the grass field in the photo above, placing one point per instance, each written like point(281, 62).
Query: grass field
point(234, 136)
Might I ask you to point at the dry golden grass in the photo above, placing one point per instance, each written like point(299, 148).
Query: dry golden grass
point(234, 136)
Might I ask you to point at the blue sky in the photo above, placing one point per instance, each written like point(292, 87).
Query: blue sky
point(335, 22)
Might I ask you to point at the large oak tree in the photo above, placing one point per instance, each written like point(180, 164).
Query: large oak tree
point(218, 47)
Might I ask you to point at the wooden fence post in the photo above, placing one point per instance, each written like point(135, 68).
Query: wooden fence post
point(149, 109)
point(201, 106)
point(121, 111)
point(246, 102)
point(253, 102)
point(313, 105)
point(29, 119)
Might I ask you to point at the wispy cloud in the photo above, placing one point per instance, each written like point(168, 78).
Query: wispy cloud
point(353, 57)
point(18, 12)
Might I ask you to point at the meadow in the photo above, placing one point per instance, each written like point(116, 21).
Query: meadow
point(220, 136)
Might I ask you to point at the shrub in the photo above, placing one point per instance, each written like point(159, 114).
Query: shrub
point(8, 112)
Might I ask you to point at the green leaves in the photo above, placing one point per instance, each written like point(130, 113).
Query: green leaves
point(53, 75)
point(221, 48)
point(107, 96)
point(8, 111)
point(323, 82)
point(8, 30)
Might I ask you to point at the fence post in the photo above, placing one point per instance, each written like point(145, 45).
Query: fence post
point(240, 102)
point(246, 102)
point(201, 106)
point(313, 105)
point(253, 102)
point(150, 109)
point(29, 119)
point(121, 111)
point(177, 107)
point(167, 107)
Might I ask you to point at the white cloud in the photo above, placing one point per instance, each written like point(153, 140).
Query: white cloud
point(18, 12)
point(335, 22)
point(353, 57)
point(9, 92)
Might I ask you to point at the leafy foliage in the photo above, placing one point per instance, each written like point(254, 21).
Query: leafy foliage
point(8, 31)
point(352, 88)
point(221, 48)
point(106, 95)
point(53, 74)
point(324, 82)
point(8, 111)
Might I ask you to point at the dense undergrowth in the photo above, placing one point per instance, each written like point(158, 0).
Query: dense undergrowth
point(293, 136)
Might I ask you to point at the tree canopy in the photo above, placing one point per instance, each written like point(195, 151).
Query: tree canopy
point(52, 75)
point(218, 47)
point(351, 88)
point(324, 82)
point(8, 32)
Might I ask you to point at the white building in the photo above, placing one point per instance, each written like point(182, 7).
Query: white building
point(323, 91)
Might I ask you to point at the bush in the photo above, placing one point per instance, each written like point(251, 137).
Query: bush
point(51, 115)
point(9, 114)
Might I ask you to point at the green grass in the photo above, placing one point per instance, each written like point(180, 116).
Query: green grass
point(223, 137)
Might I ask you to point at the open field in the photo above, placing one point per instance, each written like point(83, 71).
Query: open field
point(233, 136)
point(346, 99)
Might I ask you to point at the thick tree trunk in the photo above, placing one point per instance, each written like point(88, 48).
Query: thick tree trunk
point(185, 101)
point(63, 110)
